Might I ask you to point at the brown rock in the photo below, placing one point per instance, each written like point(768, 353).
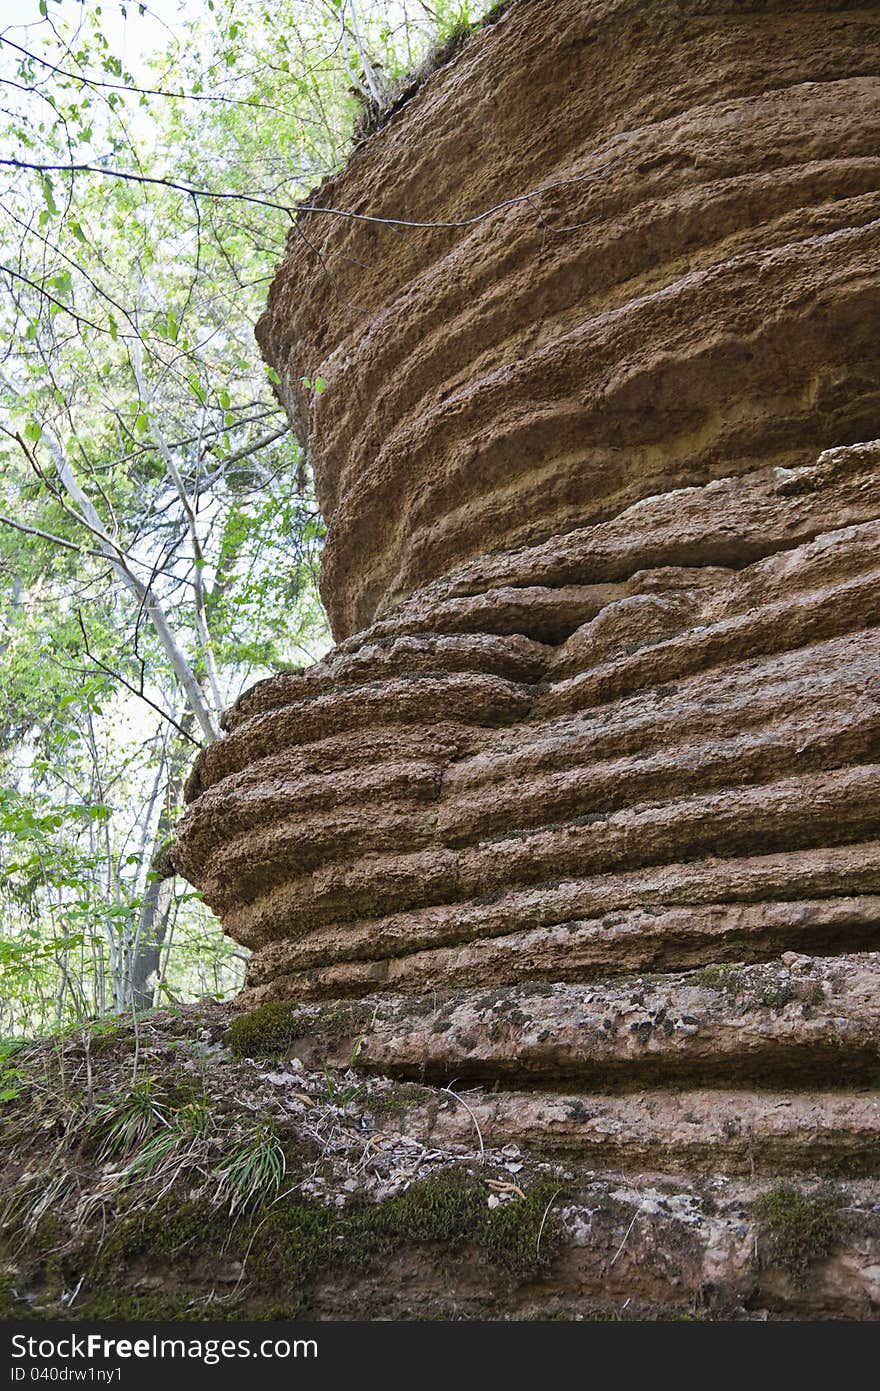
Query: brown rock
point(598, 453)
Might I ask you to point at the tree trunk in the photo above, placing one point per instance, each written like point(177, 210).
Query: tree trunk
point(156, 904)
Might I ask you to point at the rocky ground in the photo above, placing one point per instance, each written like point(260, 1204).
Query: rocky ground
point(197, 1167)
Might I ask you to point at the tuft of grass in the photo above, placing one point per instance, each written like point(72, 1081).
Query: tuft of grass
point(124, 1124)
point(253, 1173)
point(800, 1227)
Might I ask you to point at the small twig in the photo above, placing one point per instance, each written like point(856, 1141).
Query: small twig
point(543, 1220)
point(636, 1214)
point(473, 1118)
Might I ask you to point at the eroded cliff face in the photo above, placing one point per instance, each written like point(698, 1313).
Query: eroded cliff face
point(586, 797)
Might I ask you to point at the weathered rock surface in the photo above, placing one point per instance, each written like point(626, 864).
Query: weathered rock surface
point(599, 454)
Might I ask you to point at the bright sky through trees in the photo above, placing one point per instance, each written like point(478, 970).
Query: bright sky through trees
point(159, 536)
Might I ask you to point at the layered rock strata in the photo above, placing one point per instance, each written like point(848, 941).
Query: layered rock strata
point(586, 797)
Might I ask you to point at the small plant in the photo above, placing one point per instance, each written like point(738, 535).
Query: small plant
point(777, 996)
point(11, 1076)
point(123, 1126)
point(253, 1173)
point(801, 1227)
point(343, 1095)
point(179, 1146)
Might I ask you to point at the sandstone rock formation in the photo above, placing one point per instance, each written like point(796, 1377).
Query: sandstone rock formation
point(586, 796)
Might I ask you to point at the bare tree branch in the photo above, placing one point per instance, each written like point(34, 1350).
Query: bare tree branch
point(135, 690)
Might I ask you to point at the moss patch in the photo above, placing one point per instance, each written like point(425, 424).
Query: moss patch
point(266, 1032)
point(800, 1227)
point(727, 979)
point(299, 1240)
point(267, 1260)
point(271, 1029)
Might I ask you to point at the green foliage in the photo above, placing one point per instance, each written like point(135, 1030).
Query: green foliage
point(269, 1030)
point(123, 1125)
point(777, 995)
point(524, 1236)
point(11, 1075)
point(253, 1173)
point(143, 452)
point(449, 1210)
point(800, 1227)
point(728, 979)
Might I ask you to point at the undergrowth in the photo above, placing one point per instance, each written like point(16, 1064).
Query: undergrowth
point(163, 1179)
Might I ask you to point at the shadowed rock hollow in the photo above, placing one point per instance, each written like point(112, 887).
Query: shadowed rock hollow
point(584, 804)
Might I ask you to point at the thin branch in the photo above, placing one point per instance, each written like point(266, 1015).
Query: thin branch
point(261, 443)
point(192, 526)
point(291, 209)
point(47, 536)
point(98, 85)
point(135, 691)
point(59, 304)
point(87, 515)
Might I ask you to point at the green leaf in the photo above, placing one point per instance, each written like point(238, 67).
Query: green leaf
point(48, 195)
point(62, 282)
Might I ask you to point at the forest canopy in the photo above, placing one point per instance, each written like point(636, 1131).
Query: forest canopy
point(159, 534)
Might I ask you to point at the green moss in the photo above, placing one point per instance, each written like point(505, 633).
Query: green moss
point(339, 1022)
point(282, 1248)
point(190, 1306)
point(289, 1245)
point(450, 1210)
point(396, 1100)
point(266, 1032)
point(269, 1030)
point(800, 1227)
point(777, 996)
point(169, 1230)
point(721, 978)
point(8, 1301)
point(524, 1236)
